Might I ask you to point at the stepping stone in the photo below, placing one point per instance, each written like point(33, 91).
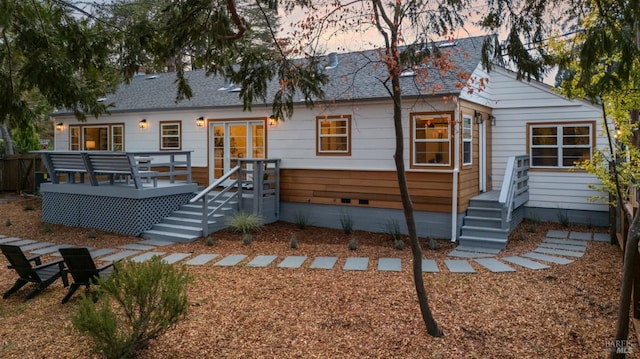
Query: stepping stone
point(546, 258)
point(101, 252)
point(360, 263)
point(22, 242)
point(261, 261)
point(567, 247)
point(573, 242)
point(118, 256)
point(524, 262)
point(2, 236)
point(230, 260)
point(459, 266)
point(477, 249)
point(201, 259)
point(558, 252)
point(430, 266)
point(464, 254)
point(57, 254)
point(323, 263)
point(146, 256)
point(48, 250)
point(175, 257)
point(602, 237)
point(390, 264)
point(557, 234)
point(494, 265)
point(137, 247)
point(33, 246)
point(8, 240)
point(586, 236)
point(292, 262)
point(155, 242)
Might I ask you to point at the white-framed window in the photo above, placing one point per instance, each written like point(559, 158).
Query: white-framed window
point(467, 140)
point(431, 140)
point(170, 135)
point(333, 135)
point(559, 145)
point(117, 138)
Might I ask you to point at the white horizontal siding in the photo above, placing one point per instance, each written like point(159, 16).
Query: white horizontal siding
point(517, 103)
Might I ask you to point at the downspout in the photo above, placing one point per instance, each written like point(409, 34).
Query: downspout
point(456, 170)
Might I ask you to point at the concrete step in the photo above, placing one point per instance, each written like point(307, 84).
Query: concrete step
point(494, 233)
point(169, 236)
point(181, 221)
point(180, 229)
point(482, 242)
point(488, 222)
point(486, 212)
point(194, 215)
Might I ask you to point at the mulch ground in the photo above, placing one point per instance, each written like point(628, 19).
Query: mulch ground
point(562, 312)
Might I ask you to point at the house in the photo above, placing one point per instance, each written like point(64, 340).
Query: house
point(508, 144)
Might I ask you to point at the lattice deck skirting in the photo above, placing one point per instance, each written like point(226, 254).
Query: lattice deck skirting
point(128, 216)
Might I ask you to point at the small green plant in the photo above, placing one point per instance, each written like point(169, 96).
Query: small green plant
point(46, 228)
point(302, 220)
point(92, 234)
point(138, 303)
point(346, 221)
point(563, 218)
point(28, 208)
point(433, 244)
point(398, 244)
point(392, 228)
point(8, 222)
point(246, 224)
point(293, 242)
point(353, 244)
point(208, 241)
point(523, 236)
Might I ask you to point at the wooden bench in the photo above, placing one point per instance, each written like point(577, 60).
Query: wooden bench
point(67, 163)
point(113, 164)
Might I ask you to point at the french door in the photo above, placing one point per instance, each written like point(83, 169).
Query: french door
point(233, 140)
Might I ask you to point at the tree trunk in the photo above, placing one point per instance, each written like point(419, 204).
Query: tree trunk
point(630, 256)
point(407, 205)
point(6, 136)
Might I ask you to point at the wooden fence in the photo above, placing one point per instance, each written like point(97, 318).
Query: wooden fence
point(18, 173)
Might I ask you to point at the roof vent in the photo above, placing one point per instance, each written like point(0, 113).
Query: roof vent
point(235, 89)
point(228, 85)
point(407, 73)
point(333, 61)
point(152, 77)
point(447, 44)
point(102, 99)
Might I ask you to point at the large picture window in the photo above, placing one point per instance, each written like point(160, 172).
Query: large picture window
point(333, 135)
point(430, 140)
point(557, 145)
point(107, 137)
point(170, 136)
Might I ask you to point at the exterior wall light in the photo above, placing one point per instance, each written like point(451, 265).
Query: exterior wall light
point(492, 120)
point(143, 123)
point(477, 116)
point(273, 122)
point(60, 126)
point(200, 121)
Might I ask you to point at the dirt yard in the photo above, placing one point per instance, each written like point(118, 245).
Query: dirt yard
point(567, 311)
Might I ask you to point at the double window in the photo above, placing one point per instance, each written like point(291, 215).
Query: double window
point(170, 135)
point(109, 137)
point(559, 145)
point(430, 140)
point(333, 135)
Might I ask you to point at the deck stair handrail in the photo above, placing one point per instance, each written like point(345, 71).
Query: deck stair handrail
point(212, 204)
point(515, 187)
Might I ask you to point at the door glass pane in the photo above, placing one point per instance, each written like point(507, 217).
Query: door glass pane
point(258, 140)
point(96, 139)
point(218, 151)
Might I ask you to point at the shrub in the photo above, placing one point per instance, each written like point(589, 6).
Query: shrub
point(535, 221)
point(346, 221)
point(293, 242)
point(563, 218)
point(433, 244)
point(8, 222)
point(245, 224)
point(353, 244)
point(28, 208)
point(208, 241)
point(92, 234)
point(398, 244)
point(392, 228)
point(302, 220)
point(139, 302)
point(46, 228)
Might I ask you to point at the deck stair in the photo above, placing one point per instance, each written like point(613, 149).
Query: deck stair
point(492, 215)
point(185, 224)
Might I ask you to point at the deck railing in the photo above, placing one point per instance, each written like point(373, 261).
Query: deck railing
point(220, 198)
point(134, 165)
point(515, 187)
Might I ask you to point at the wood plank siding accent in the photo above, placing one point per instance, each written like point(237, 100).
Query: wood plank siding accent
point(429, 191)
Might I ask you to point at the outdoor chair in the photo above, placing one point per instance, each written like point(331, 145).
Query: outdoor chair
point(42, 274)
point(83, 270)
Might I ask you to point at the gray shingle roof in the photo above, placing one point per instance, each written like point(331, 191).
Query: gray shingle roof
point(358, 75)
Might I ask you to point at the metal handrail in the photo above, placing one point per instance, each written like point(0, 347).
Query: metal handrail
point(514, 184)
point(203, 195)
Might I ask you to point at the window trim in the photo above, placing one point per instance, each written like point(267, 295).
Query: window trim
point(161, 125)
point(447, 116)
point(470, 139)
point(109, 126)
point(592, 142)
point(348, 121)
